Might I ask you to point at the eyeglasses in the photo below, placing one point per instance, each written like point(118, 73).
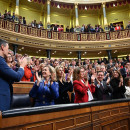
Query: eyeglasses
point(9, 56)
point(100, 75)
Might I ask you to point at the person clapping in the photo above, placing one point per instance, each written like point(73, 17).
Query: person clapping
point(45, 90)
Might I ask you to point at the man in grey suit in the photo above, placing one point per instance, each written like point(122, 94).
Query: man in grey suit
point(103, 89)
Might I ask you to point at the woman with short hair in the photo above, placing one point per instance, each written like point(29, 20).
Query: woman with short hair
point(83, 91)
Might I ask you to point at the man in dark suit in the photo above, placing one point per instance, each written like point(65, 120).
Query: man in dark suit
point(7, 76)
point(124, 71)
point(102, 89)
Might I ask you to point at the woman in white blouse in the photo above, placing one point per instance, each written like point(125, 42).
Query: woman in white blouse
point(127, 86)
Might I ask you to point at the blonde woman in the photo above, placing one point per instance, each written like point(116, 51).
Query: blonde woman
point(64, 86)
point(47, 90)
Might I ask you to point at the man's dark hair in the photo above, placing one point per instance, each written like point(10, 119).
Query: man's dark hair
point(99, 72)
point(125, 63)
point(3, 42)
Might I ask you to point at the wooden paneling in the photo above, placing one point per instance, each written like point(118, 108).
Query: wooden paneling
point(65, 124)
point(120, 125)
point(115, 116)
point(22, 87)
point(48, 126)
point(84, 119)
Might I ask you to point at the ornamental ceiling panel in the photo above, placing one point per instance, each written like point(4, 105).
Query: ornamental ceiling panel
point(84, 1)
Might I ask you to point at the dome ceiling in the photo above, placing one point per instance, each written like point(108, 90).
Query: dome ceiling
point(84, 1)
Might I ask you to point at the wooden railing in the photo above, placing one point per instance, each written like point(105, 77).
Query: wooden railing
point(25, 87)
point(33, 31)
point(101, 115)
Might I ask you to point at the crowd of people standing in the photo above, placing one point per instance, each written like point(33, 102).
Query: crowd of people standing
point(54, 78)
point(60, 28)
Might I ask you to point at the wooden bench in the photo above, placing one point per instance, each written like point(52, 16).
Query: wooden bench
point(25, 87)
point(101, 115)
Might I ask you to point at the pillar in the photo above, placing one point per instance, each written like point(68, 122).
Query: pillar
point(15, 47)
point(48, 54)
point(105, 18)
point(48, 14)
point(79, 55)
point(109, 54)
point(76, 14)
point(17, 8)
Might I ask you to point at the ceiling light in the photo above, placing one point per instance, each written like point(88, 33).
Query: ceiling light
point(58, 6)
point(86, 8)
point(85, 52)
point(70, 52)
point(39, 50)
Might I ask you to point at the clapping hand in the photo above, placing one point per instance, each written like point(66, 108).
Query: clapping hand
point(108, 80)
point(121, 82)
point(92, 79)
point(22, 61)
point(53, 78)
point(69, 76)
point(38, 78)
point(86, 76)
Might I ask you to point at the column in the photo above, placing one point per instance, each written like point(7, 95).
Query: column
point(15, 47)
point(48, 53)
point(17, 8)
point(79, 55)
point(76, 14)
point(109, 54)
point(105, 18)
point(17, 16)
point(48, 14)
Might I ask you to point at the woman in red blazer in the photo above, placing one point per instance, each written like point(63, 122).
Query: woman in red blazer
point(27, 71)
point(83, 91)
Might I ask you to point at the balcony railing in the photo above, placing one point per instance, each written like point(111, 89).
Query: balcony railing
point(43, 33)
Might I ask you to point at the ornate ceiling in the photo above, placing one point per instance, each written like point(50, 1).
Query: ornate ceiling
point(84, 1)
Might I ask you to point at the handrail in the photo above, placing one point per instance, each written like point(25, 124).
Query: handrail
point(43, 33)
point(55, 108)
point(111, 114)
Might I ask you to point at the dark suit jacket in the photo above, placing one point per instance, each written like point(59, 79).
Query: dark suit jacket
point(118, 92)
point(102, 93)
point(7, 76)
point(123, 72)
point(63, 92)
